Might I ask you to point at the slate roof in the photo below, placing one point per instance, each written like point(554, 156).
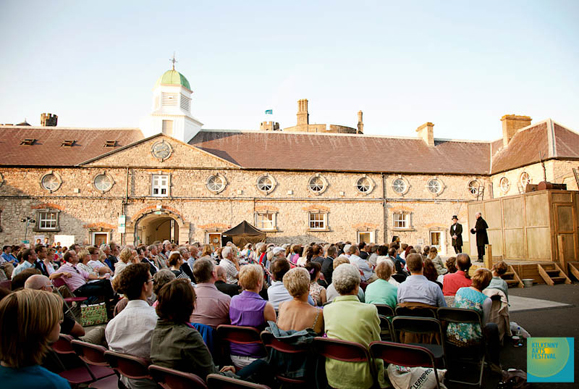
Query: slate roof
point(263, 150)
point(47, 150)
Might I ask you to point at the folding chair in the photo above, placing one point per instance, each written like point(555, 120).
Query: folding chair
point(385, 310)
point(302, 352)
point(216, 381)
point(469, 355)
point(174, 379)
point(59, 283)
point(421, 331)
point(404, 355)
point(239, 335)
point(94, 355)
point(416, 311)
point(83, 374)
point(128, 365)
point(342, 350)
point(386, 329)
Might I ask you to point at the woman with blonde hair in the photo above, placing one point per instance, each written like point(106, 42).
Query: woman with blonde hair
point(32, 319)
point(125, 259)
point(298, 314)
point(249, 309)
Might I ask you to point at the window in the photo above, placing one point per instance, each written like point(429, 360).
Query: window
point(160, 186)
point(524, 179)
point(366, 236)
point(185, 103)
point(504, 184)
point(317, 184)
point(110, 143)
point(473, 187)
point(103, 182)
point(318, 221)
point(266, 184)
point(400, 185)
point(364, 185)
point(434, 186)
point(216, 183)
point(401, 220)
point(68, 143)
point(266, 220)
point(50, 181)
point(47, 220)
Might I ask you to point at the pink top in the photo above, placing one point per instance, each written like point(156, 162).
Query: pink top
point(211, 306)
point(78, 277)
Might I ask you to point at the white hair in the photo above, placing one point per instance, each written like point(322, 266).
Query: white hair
point(345, 278)
point(226, 251)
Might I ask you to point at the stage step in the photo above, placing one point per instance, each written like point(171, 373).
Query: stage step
point(574, 269)
point(552, 274)
point(512, 278)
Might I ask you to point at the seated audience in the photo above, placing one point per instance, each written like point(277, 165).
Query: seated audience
point(296, 253)
point(465, 334)
point(130, 331)
point(328, 265)
point(125, 258)
point(297, 314)
point(381, 291)
point(32, 318)
point(27, 261)
point(317, 292)
point(361, 325)
point(230, 264)
point(437, 261)
point(221, 283)
point(249, 309)
point(84, 258)
point(19, 280)
point(497, 282)
point(417, 288)
point(459, 279)
point(331, 292)
point(175, 262)
point(430, 272)
point(162, 277)
point(144, 256)
point(366, 273)
point(211, 305)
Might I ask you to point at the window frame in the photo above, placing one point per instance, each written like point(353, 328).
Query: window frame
point(406, 185)
point(58, 179)
point(405, 223)
point(371, 184)
point(39, 220)
point(324, 183)
point(223, 181)
point(478, 185)
point(504, 182)
point(271, 179)
point(105, 174)
point(259, 222)
point(324, 221)
point(528, 179)
point(441, 187)
point(159, 186)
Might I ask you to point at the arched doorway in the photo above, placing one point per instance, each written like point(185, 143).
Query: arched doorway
point(154, 227)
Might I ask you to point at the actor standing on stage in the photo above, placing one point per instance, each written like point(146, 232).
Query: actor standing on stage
point(480, 229)
point(456, 233)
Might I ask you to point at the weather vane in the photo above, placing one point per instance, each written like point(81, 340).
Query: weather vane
point(173, 60)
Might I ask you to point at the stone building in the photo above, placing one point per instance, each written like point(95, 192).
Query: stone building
point(171, 179)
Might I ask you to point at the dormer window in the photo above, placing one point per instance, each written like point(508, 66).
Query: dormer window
point(28, 142)
point(68, 143)
point(110, 143)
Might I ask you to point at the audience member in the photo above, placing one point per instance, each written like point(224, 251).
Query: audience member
point(29, 323)
point(417, 288)
point(361, 325)
point(331, 292)
point(28, 261)
point(221, 283)
point(175, 262)
point(97, 261)
point(437, 261)
point(430, 272)
point(366, 274)
point(125, 258)
point(459, 279)
point(317, 292)
point(211, 305)
point(162, 277)
point(497, 282)
point(230, 264)
point(382, 291)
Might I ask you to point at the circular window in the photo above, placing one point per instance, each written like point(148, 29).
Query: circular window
point(473, 187)
point(399, 186)
point(317, 184)
point(216, 183)
point(103, 182)
point(504, 184)
point(364, 185)
point(524, 179)
point(50, 181)
point(266, 184)
point(434, 186)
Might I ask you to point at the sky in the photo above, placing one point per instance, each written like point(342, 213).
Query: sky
point(459, 64)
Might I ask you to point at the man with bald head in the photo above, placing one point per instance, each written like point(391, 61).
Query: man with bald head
point(69, 325)
point(221, 282)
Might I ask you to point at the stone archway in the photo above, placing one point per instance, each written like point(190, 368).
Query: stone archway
point(157, 225)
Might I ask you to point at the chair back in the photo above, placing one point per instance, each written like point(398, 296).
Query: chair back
point(174, 379)
point(63, 345)
point(128, 365)
point(58, 282)
point(270, 342)
point(416, 311)
point(216, 381)
point(238, 334)
point(385, 310)
point(93, 354)
point(404, 355)
point(386, 329)
point(459, 315)
point(418, 326)
point(341, 350)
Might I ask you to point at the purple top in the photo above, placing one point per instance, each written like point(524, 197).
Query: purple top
point(246, 309)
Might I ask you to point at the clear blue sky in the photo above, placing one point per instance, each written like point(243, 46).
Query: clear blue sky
point(459, 64)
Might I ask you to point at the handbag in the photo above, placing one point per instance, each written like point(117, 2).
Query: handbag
point(93, 314)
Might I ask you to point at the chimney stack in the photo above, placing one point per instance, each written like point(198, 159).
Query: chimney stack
point(303, 115)
point(426, 132)
point(48, 120)
point(360, 123)
point(512, 124)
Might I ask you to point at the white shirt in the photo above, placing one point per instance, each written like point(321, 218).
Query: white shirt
point(362, 265)
point(230, 271)
point(130, 331)
point(96, 264)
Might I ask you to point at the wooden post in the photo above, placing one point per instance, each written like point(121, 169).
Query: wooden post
point(488, 258)
point(561, 251)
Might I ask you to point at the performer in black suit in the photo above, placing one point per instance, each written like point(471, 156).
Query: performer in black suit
point(456, 233)
point(480, 229)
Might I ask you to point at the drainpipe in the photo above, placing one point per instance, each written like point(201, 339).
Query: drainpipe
point(385, 215)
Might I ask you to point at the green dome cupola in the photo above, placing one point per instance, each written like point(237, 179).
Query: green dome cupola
point(173, 77)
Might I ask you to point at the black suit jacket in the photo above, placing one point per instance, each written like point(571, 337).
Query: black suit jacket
point(481, 232)
point(456, 229)
point(153, 270)
point(187, 270)
point(229, 289)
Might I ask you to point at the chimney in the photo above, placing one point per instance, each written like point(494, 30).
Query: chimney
point(512, 124)
point(426, 132)
point(269, 126)
point(48, 120)
point(360, 123)
point(303, 115)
